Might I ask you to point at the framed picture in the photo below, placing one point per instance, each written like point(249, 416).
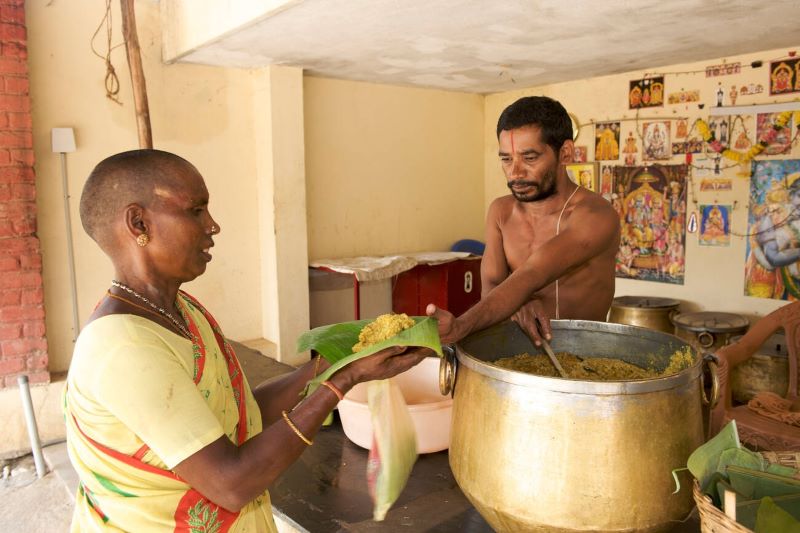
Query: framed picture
point(579, 154)
point(784, 76)
point(584, 174)
point(647, 92)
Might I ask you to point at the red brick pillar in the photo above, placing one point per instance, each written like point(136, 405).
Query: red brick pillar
point(23, 347)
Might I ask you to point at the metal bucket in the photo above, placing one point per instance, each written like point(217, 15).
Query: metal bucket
point(535, 453)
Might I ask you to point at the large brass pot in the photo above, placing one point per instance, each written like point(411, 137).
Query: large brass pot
point(645, 311)
point(534, 453)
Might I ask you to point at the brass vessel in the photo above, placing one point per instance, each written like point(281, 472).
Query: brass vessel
point(644, 311)
point(708, 331)
point(535, 453)
point(767, 370)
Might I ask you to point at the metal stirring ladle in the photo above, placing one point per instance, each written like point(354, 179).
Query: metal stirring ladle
point(549, 351)
point(553, 358)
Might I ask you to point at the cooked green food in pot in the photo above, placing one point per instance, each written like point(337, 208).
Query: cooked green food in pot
point(593, 368)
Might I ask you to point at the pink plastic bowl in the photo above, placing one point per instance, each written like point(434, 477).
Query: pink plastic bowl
point(430, 411)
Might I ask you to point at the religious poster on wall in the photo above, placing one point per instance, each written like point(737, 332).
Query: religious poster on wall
point(716, 184)
point(720, 127)
point(682, 97)
point(784, 76)
point(651, 203)
point(584, 174)
point(715, 221)
point(779, 141)
point(606, 146)
point(773, 226)
point(750, 89)
point(579, 154)
point(656, 140)
point(648, 92)
point(630, 149)
point(691, 146)
point(742, 129)
point(725, 69)
point(681, 128)
point(606, 181)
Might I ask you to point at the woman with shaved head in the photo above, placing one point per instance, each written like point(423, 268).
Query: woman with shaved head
point(162, 426)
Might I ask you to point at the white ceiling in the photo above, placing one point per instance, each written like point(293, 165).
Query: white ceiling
point(491, 46)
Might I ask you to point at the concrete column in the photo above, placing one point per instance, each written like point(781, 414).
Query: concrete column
point(283, 242)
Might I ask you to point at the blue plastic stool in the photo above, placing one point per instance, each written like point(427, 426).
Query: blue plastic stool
point(468, 245)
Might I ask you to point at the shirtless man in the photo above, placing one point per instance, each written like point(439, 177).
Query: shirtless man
point(550, 244)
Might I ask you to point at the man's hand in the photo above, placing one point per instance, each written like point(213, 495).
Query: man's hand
point(449, 331)
point(534, 321)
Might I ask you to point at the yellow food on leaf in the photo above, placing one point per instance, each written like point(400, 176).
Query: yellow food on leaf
point(382, 328)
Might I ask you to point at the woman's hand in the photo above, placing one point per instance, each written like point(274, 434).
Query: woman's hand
point(381, 365)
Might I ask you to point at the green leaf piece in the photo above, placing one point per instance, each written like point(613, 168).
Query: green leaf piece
point(335, 343)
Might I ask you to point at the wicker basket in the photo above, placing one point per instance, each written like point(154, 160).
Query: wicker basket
point(713, 520)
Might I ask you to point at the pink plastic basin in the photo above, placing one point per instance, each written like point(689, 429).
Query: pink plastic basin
point(430, 411)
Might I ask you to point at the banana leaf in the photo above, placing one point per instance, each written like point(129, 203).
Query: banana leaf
point(335, 343)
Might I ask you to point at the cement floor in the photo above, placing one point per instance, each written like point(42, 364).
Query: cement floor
point(31, 505)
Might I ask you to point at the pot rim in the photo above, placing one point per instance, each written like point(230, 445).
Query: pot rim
point(659, 303)
point(574, 386)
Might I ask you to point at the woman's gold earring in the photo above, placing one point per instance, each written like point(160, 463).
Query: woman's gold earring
point(142, 239)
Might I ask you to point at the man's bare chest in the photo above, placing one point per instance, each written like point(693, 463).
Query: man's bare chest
point(523, 237)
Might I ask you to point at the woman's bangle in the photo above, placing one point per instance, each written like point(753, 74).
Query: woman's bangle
point(294, 428)
point(334, 389)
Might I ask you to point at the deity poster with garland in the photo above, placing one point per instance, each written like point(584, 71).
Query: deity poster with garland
point(773, 229)
point(720, 126)
point(780, 141)
point(651, 203)
point(743, 128)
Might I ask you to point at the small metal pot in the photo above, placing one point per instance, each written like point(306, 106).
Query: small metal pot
point(766, 370)
point(644, 311)
point(709, 330)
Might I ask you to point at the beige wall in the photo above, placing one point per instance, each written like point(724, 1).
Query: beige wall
point(410, 157)
point(714, 279)
point(391, 169)
point(201, 113)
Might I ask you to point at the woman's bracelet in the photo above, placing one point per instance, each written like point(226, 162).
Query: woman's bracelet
point(334, 389)
point(294, 428)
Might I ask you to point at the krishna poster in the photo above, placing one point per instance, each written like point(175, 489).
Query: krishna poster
point(651, 203)
point(772, 268)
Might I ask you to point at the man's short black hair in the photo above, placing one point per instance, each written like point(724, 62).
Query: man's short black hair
point(122, 179)
point(548, 114)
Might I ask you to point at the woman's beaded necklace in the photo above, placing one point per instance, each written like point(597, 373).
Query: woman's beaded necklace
point(160, 310)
